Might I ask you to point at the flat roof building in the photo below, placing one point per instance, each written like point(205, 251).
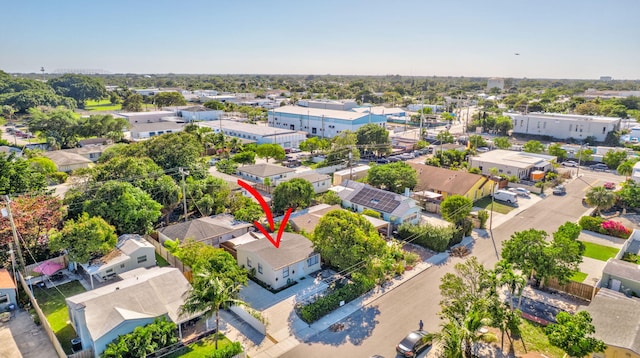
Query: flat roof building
point(284, 137)
point(564, 126)
point(509, 163)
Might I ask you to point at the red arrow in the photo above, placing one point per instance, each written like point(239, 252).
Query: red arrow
point(267, 211)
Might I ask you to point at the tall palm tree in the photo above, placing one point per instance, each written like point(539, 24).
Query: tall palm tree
point(601, 198)
point(210, 294)
point(626, 168)
point(514, 281)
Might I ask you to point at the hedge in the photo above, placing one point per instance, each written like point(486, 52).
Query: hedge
point(605, 227)
point(347, 293)
point(436, 238)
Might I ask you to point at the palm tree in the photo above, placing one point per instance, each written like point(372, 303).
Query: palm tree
point(210, 294)
point(601, 198)
point(514, 282)
point(626, 168)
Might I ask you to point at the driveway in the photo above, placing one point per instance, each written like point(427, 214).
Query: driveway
point(20, 337)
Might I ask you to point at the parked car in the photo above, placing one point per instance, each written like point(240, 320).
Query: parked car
point(413, 343)
point(609, 185)
point(570, 163)
point(382, 161)
point(482, 149)
point(600, 167)
point(506, 196)
point(559, 190)
point(520, 192)
point(406, 156)
point(394, 159)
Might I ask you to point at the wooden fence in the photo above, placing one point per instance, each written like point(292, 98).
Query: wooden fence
point(43, 319)
point(577, 289)
point(172, 260)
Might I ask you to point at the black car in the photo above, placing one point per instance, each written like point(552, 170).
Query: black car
point(599, 167)
point(413, 343)
point(382, 160)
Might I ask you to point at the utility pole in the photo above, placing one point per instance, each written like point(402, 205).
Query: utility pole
point(421, 119)
point(15, 232)
point(350, 167)
point(184, 191)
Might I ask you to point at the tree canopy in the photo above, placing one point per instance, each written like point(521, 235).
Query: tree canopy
point(533, 146)
point(456, 208)
point(600, 198)
point(614, 158)
point(270, 150)
point(84, 237)
point(373, 138)
point(393, 177)
point(17, 175)
point(295, 193)
point(79, 87)
point(165, 99)
point(574, 334)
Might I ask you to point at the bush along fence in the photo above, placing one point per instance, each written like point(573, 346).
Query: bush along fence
point(605, 227)
point(336, 297)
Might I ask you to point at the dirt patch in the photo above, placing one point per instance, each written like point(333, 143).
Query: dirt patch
point(424, 253)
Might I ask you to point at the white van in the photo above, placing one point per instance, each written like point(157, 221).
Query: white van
point(505, 195)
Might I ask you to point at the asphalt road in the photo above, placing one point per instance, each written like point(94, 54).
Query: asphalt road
point(378, 327)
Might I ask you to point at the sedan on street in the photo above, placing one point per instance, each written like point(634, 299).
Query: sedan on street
point(413, 343)
point(570, 163)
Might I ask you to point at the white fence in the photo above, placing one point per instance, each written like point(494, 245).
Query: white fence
point(247, 317)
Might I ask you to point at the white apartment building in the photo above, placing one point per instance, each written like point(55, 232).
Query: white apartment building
point(564, 126)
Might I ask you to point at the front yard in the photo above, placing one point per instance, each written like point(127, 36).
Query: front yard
point(532, 337)
point(599, 252)
point(52, 303)
point(202, 348)
point(485, 203)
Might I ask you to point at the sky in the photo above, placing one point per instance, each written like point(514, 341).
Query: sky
point(580, 39)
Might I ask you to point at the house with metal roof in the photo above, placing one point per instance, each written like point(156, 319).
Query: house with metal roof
point(99, 316)
point(277, 267)
point(257, 173)
point(394, 208)
point(211, 230)
point(451, 182)
point(320, 182)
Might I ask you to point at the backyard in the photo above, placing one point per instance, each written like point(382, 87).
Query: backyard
point(533, 339)
point(53, 305)
point(202, 348)
point(599, 252)
point(485, 203)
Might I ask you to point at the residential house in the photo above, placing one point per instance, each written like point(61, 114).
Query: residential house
point(211, 230)
point(616, 319)
point(509, 163)
point(306, 220)
point(92, 142)
point(452, 182)
point(354, 173)
point(66, 161)
point(278, 267)
point(259, 172)
point(7, 290)
point(320, 182)
point(99, 316)
point(91, 152)
point(564, 126)
point(325, 123)
point(131, 252)
point(394, 208)
point(284, 137)
point(621, 276)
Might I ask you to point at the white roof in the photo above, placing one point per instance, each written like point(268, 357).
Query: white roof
point(515, 159)
point(151, 113)
point(565, 117)
point(361, 168)
point(262, 131)
point(319, 112)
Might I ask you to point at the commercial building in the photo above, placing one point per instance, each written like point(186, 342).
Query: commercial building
point(286, 138)
point(564, 126)
point(326, 123)
point(519, 164)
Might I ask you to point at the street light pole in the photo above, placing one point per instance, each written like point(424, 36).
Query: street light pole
point(579, 160)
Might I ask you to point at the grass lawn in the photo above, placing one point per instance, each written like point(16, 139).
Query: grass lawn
point(535, 339)
point(578, 276)
point(54, 307)
point(103, 105)
point(599, 252)
point(202, 348)
point(485, 203)
point(160, 261)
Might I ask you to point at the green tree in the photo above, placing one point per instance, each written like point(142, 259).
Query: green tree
point(26, 99)
point(614, 158)
point(215, 105)
point(525, 250)
point(600, 198)
point(132, 103)
point(60, 124)
point(174, 150)
point(245, 209)
point(445, 137)
point(202, 257)
point(17, 175)
point(344, 239)
point(295, 193)
point(207, 196)
point(393, 177)
point(270, 150)
point(330, 198)
point(455, 208)
point(502, 142)
point(129, 209)
point(102, 125)
point(166, 99)
point(533, 146)
point(556, 150)
point(84, 237)
point(227, 166)
point(210, 294)
point(584, 155)
point(464, 290)
point(588, 108)
point(573, 334)
point(626, 168)
point(79, 87)
point(246, 157)
point(341, 145)
point(503, 125)
point(476, 141)
point(630, 194)
point(314, 144)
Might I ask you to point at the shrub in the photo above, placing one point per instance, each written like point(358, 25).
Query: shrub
point(227, 351)
point(615, 228)
point(463, 228)
point(436, 238)
point(630, 257)
point(591, 223)
point(371, 213)
point(483, 216)
point(60, 177)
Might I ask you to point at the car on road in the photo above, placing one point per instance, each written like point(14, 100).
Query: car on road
point(395, 159)
point(413, 343)
point(406, 156)
point(570, 163)
point(609, 185)
point(520, 192)
point(382, 161)
point(559, 190)
point(600, 167)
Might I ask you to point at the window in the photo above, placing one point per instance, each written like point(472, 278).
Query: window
point(314, 130)
point(249, 262)
point(259, 267)
point(121, 265)
point(109, 271)
point(4, 299)
point(142, 259)
point(285, 272)
point(604, 129)
point(313, 260)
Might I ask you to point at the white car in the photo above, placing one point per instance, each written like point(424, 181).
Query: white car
point(520, 192)
point(570, 163)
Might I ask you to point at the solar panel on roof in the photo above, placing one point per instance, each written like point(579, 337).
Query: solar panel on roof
point(377, 199)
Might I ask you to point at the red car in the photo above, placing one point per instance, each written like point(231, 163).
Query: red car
point(609, 185)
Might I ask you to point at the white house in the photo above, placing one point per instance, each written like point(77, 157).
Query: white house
point(635, 174)
point(564, 126)
point(131, 252)
point(99, 316)
point(277, 267)
point(140, 131)
point(326, 123)
point(211, 230)
point(286, 138)
point(320, 182)
point(257, 173)
point(199, 113)
point(509, 163)
point(7, 290)
point(353, 173)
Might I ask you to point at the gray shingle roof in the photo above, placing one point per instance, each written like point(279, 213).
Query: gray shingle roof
point(616, 318)
point(293, 248)
point(622, 269)
point(264, 170)
point(203, 228)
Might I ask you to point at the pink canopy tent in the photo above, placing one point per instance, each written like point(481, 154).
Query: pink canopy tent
point(48, 268)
